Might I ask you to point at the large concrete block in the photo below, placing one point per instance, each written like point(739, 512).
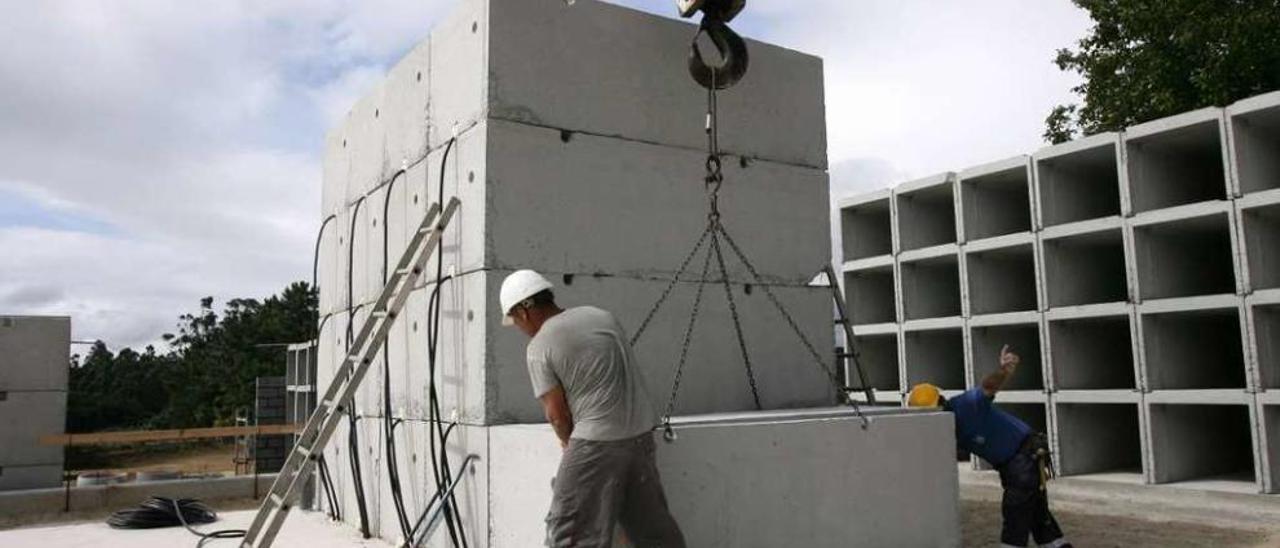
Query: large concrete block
point(1098, 438)
point(1079, 180)
point(608, 70)
point(36, 352)
point(24, 418)
point(597, 204)
point(1177, 160)
point(1201, 442)
point(1254, 134)
point(901, 491)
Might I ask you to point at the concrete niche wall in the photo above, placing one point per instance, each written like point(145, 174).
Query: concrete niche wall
point(1143, 293)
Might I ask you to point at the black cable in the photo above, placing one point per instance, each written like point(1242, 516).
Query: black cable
point(440, 466)
point(325, 484)
point(393, 467)
point(157, 512)
point(353, 438)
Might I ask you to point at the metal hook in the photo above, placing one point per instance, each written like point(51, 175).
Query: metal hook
point(668, 435)
point(732, 49)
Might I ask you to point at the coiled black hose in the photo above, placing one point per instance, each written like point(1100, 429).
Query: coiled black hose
point(157, 512)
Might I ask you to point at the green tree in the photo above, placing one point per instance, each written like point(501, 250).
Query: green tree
point(1146, 59)
point(207, 373)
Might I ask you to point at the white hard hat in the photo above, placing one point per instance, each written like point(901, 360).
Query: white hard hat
point(518, 286)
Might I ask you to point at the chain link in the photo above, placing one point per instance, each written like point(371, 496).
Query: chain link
point(666, 292)
point(733, 311)
point(684, 349)
point(817, 357)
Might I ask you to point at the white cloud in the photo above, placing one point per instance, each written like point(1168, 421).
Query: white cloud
point(194, 132)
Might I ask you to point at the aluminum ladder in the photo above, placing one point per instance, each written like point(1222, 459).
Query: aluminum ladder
point(849, 352)
point(337, 398)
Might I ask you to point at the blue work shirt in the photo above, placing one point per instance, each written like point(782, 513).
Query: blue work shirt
point(984, 429)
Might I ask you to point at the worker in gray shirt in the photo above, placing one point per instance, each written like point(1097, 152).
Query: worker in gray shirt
point(584, 373)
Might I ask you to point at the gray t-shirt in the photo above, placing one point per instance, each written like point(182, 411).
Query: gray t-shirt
point(585, 351)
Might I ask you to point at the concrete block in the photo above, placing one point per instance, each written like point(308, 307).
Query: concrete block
point(935, 356)
point(576, 82)
point(1259, 231)
point(1263, 310)
point(1268, 438)
point(870, 295)
point(878, 355)
point(926, 211)
point(1023, 338)
point(714, 377)
point(1193, 344)
point(996, 199)
point(26, 477)
point(1079, 180)
point(705, 468)
point(930, 288)
point(1001, 279)
point(24, 418)
point(405, 108)
point(36, 352)
point(1093, 352)
point(1185, 252)
point(1087, 267)
point(1254, 133)
point(1098, 438)
point(1177, 160)
point(1201, 442)
point(460, 64)
point(366, 144)
point(866, 225)
point(647, 206)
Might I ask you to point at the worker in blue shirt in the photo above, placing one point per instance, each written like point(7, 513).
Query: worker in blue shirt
point(1020, 454)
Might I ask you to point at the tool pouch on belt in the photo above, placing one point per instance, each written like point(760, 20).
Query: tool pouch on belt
point(1038, 446)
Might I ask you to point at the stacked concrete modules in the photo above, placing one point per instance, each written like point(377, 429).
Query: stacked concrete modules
point(579, 153)
point(34, 364)
point(1138, 274)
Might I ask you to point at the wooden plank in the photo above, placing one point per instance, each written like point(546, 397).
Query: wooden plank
point(139, 436)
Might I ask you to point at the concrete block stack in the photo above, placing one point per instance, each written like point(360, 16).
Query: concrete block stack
point(573, 136)
point(1136, 273)
point(34, 364)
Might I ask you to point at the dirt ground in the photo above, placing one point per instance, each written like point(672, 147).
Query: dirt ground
point(980, 526)
point(195, 459)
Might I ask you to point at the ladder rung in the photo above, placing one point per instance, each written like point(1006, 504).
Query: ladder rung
point(277, 500)
point(306, 451)
point(384, 314)
point(846, 355)
point(842, 321)
point(414, 270)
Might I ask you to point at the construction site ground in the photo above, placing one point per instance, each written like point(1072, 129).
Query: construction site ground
point(1105, 513)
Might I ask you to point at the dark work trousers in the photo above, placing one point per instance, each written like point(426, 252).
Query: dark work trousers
point(1026, 506)
point(600, 483)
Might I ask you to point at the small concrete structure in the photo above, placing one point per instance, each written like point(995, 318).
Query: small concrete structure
point(591, 170)
point(1137, 273)
point(35, 356)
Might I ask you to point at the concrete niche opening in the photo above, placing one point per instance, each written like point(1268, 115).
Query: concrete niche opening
point(931, 288)
point(935, 356)
point(1262, 242)
point(1002, 280)
point(1176, 167)
point(1086, 269)
point(1099, 438)
point(879, 357)
point(1092, 353)
point(867, 230)
point(1023, 339)
point(871, 295)
point(1201, 442)
point(1185, 258)
point(1199, 349)
point(1266, 332)
point(1079, 185)
point(1257, 138)
point(996, 204)
point(927, 217)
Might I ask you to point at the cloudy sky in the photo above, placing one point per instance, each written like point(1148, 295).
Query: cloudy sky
point(153, 152)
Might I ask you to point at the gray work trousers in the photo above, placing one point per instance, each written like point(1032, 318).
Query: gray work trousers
point(600, 483)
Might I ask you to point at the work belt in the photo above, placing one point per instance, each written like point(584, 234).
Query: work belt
point(1036, 445)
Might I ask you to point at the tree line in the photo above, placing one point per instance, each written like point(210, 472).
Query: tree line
point(204, 376)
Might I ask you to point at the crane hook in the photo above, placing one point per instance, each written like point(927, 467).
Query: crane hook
point(732, 49)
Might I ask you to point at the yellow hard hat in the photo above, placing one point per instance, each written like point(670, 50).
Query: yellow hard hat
point(924, 395)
